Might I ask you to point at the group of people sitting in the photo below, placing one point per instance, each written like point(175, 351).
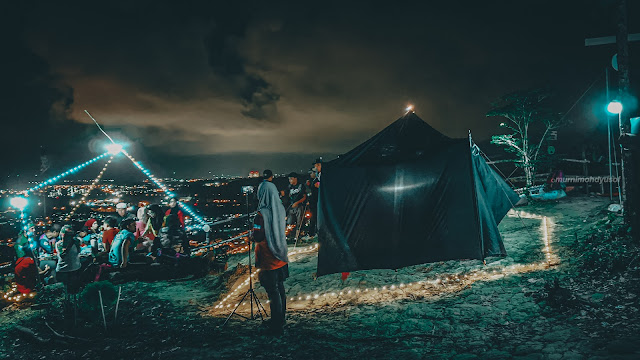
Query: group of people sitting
point(61, 253)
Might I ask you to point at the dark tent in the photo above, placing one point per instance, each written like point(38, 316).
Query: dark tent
point(407, 196)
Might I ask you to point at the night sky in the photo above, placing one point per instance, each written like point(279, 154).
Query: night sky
point(200, 86)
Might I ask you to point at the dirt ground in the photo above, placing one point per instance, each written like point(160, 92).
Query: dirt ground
point(447, 310)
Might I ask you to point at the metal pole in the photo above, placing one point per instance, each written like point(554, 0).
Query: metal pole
point(615, 159)
point(622, 195)
point(250, 248)
point(609, 136)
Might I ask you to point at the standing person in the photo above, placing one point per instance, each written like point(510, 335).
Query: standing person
point(68, 267)
point(271, 251)
point(297, 197)
point(121, 246)
point(318, 166)
point(313, 203)
point(46, 251)
point(109, 233)
point(175, 210)
point(173, 238)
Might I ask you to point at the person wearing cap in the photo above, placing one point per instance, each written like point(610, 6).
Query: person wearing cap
point(122, 212)
point(267, 175)
point(297, 197)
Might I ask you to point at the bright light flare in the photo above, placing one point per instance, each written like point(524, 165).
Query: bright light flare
point(409, 108)
point(614, 107)
point(114, 149)
point(19, 203)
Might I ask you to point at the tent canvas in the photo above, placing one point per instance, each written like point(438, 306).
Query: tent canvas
point(407, 196)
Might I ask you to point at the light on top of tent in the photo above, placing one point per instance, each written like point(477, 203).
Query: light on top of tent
point(409, 108)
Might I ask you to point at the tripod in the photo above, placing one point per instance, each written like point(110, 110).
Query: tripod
point(251, 293)
point(301, 220)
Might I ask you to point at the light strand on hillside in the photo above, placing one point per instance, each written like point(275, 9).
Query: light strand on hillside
point(223, 302)
point(65, 174)
point(164, 188)
point(93, 186)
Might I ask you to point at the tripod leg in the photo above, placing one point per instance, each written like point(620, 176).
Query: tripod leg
point(234, 310)
point(299, 225)
point(259, 306)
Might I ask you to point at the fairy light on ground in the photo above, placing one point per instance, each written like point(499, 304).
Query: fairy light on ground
point(93, 186)
point(224, 303)
point(164, 188)
point(442, 283)
point(13, 295)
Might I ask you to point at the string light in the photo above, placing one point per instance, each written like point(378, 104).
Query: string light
point(453, 282)
point(93, 186)
point(164, 188)
point(238, 288)
point(65, 174)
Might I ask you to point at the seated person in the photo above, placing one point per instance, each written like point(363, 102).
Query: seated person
point(110, 230)
point(84, 239)
point(26, 274)
point(46, 251)
point(122, 244)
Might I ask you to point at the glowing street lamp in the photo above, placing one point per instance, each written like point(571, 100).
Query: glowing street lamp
point(19, 203)
point(114, 149)
point(615, 107)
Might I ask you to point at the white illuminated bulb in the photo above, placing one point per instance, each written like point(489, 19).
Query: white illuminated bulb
point(409, 108)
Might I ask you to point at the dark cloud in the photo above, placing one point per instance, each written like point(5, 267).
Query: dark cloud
point(220, 80)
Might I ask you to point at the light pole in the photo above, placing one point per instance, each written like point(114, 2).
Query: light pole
point(615, 107)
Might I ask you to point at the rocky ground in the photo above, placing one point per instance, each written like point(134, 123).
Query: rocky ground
point(562, 303)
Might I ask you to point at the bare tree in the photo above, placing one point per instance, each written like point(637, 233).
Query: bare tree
point(530, 120)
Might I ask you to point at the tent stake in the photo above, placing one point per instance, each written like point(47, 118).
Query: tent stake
point(117, 303)
point(104, 320)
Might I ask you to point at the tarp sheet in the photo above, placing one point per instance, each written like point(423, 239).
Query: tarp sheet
point(409, 195)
